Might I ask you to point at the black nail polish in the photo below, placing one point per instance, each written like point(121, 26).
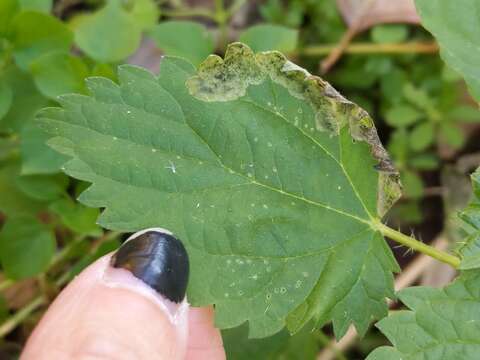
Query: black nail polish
point(158, 259)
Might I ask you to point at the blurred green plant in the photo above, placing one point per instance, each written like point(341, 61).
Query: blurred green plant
point(418, 103)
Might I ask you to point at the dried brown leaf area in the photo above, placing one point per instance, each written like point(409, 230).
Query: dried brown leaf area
point(378, 12)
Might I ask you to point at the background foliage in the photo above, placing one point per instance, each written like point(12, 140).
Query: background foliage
point(419, 103)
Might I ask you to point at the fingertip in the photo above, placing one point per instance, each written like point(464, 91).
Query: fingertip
point(109, 313)
point(204, 339)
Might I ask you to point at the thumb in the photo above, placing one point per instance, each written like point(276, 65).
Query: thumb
point(127, 306)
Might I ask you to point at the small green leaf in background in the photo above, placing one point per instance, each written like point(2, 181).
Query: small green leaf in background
point(270, 37)
point(398, 147)
point(15, 202)
point(104, 70)
point(77, 217)
point(26, 247)
point(409, 211)
point(37, 5)
point(452, 135)
point(441, 323)
point(145, 13)
point(465, 114)
point(108, 35)
point(35, 34)
point(402, 115)
point(417, 96)
point(8, 147)
point(382, 34)
point(8, 8)
point(26, 101)
point(37, 156)
point(300, 346)
point(4, 309)
point(186, 39)
point(6, 97)
point(422, 136)
point(58, 73)
point(380, 65)
point(256, 171)
point(43, 187)
point(392, 84)
point(470, 249)
point(412, 184)
point(424, 161)
point(456, 26)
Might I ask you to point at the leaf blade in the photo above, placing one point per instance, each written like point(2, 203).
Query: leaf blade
point(232, 170)
point(455, 26)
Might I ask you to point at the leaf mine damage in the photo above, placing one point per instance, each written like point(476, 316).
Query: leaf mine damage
point(228, 79)
point(266, 174)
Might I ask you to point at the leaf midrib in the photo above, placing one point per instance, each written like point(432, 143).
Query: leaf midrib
point(328, 153)
point(311, 202)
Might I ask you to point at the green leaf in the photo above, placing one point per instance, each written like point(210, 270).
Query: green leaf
point(104, 70)
point(424, 162)
point(108, 35)
point(301, 346)
point(8, 148)
point(383, 34)
point(270, 37)
point(392, 84)
point(58, 73)
point(43, 187)
point(465, 114)
point(442, 323)
point(402, 115)
point(36, 5)
point(6, 97)
point(409, 212)
point(145, 13)
point(76, 217)
point(422, 136)
point(418, 97)
point(413, 184)
point(455, 25)
point(192, 41)
point(37, 157)
point(398, 147)
point(378, 65)
point(34, 34)
point(470, 249)
point(452, 135)
point(26, 247)
point(8, 9)
point(14, 202)
point(264, 171)
point(26, 100)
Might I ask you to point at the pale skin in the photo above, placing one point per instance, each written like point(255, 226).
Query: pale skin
point(107, 313)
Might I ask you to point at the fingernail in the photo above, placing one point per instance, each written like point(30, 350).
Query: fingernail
point(157, 258)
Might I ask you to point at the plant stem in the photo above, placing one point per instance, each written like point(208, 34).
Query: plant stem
point(186, 12)
point(13, 321)
point(370, 48)
point(221, 17)
point(418, 245)
point(347, 37)
point(65, 251)
point(237, 4)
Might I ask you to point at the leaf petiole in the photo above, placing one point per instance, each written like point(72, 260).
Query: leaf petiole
point(417, 245)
